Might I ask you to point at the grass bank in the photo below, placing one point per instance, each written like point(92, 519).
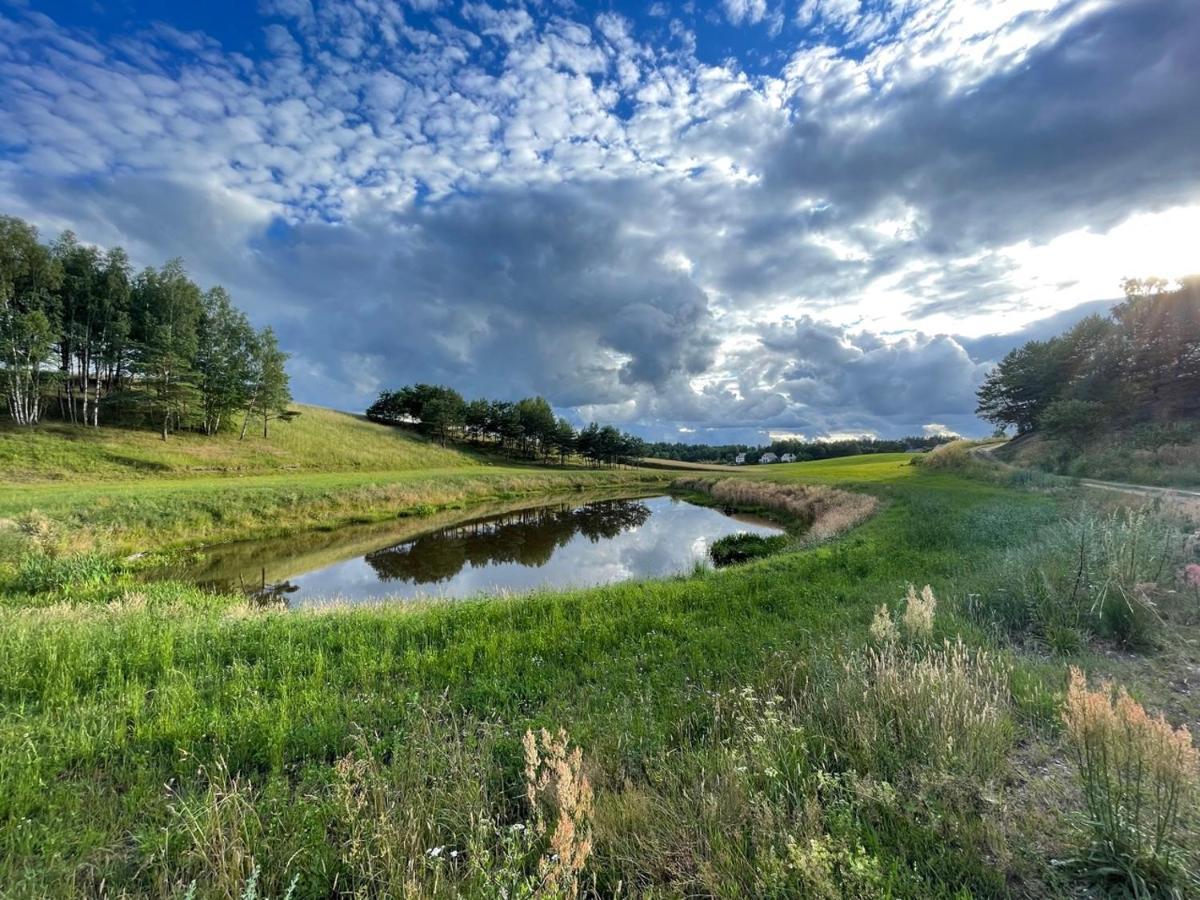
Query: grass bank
point(731, 723)
point(118, 491)
point(126, 517)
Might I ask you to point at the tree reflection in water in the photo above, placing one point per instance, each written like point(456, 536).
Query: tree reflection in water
point(528, 538)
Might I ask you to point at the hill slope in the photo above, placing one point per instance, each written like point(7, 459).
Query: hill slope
point(319, 439)
point(1163, 457)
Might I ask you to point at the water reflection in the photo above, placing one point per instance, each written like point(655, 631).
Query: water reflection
point(528, 537)
point(566, 544)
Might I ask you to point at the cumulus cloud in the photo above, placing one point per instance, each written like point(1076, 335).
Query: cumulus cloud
point(835, 234)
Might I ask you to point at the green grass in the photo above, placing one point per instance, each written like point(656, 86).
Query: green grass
point(319, 440)
point(152, 737)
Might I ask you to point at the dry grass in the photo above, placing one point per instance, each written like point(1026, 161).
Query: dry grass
point(1138, 774)
point(824, 511)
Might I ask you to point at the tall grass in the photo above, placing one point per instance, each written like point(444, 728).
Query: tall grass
point(1094, 573)
point(822, 511)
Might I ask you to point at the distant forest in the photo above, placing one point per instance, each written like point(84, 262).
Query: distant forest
point(1139, 366)
point(527, 427)
point(85, 340)
point(804, 451)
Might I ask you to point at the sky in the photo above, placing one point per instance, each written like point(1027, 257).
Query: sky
point(706, 222)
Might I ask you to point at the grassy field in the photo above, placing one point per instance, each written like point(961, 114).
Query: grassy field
point(740, 734)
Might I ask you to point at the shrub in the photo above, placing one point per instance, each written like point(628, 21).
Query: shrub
point(954, 456)
point(1137, 775)
point(1073, 420)
point(740, 548)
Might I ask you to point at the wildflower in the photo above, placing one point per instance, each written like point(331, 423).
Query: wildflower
point(434, 852)
point(883, 629)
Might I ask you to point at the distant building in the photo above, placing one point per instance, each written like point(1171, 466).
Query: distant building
point(740, 459)
point(768, 458)
point(788, 457)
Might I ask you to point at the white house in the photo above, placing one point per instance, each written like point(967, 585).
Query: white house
point(740, 459)
point(768, 458)
point(788, 457)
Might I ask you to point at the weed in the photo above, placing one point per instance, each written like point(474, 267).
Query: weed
point(1137, 774)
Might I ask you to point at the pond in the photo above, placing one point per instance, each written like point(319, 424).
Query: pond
point(569, 543)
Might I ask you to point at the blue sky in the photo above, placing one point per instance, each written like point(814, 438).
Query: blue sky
point(706, 221)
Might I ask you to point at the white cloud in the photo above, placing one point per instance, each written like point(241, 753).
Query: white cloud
point(748, 11)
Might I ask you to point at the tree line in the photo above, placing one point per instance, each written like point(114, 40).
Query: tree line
point(526, 427)
point(1139, 364)
point(804, 451)
point(85, 338)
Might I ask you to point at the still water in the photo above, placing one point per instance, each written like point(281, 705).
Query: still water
point(566, 544)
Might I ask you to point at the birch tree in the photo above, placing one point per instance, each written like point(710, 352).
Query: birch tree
point(28, 279)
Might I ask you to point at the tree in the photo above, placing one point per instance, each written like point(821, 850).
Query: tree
point(166, 312)
point(225, 358)
point(1027, 380)
point(538, 424)
point(267, 390)
point(443, 414)
point(29, 277)
point(81, 312)
point(476, 418)
point(564, 440)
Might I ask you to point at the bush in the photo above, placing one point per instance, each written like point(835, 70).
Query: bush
point(823, 511)
point(740, 548)
point(1137, 775)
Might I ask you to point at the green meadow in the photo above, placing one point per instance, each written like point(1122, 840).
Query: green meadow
point(752, 731)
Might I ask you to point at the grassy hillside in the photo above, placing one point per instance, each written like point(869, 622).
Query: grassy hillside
point(319, 439)
point(1167, 457)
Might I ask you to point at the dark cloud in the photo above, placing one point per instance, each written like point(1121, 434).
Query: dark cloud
point(1090, 127)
